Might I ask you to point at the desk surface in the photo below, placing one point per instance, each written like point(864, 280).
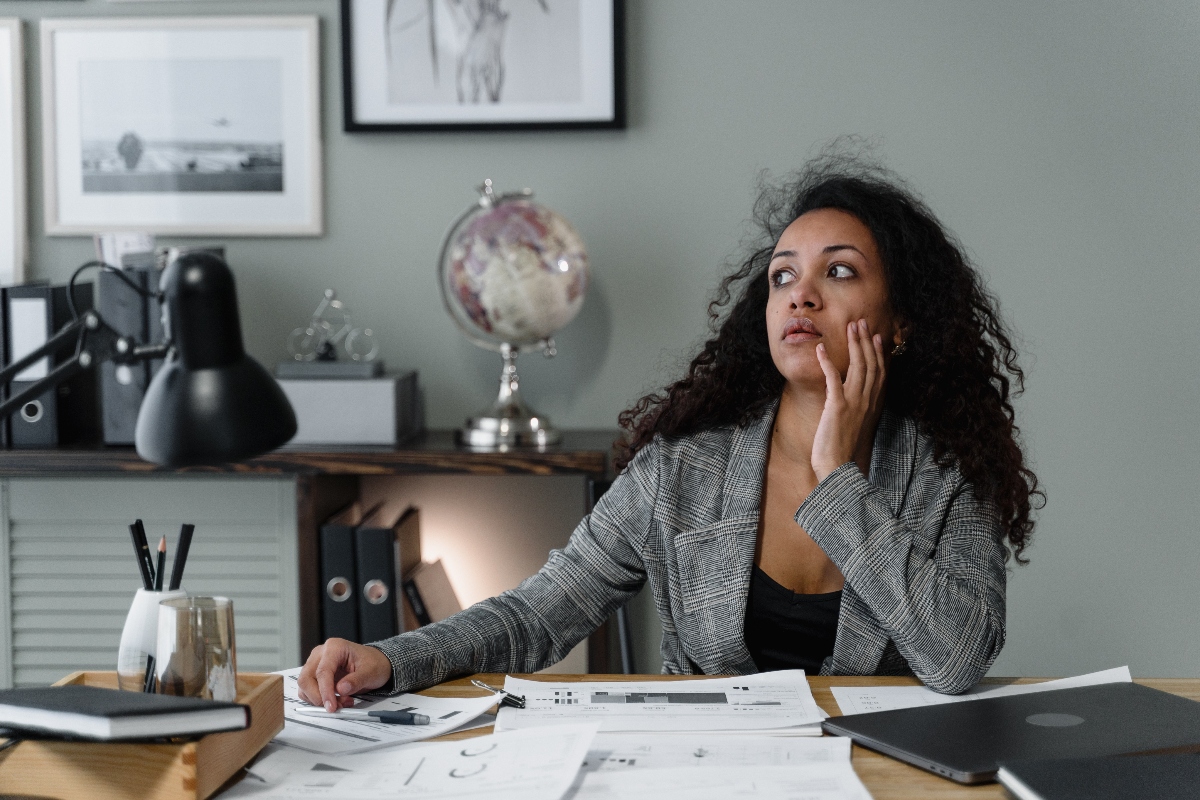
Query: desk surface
point(886, 778)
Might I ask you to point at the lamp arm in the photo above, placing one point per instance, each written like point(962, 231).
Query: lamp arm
point(63, 372)
point(95, 341)
point(53, 345)
point(145, 352)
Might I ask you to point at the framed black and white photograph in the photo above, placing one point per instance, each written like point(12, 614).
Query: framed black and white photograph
point(412, 65)
point(13, 233)
point(179, 125)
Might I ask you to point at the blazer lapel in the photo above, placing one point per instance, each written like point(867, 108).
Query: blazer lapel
point(716, 559)
point(893, 456)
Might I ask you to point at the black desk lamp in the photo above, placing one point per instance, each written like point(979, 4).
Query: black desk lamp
point(209, 403)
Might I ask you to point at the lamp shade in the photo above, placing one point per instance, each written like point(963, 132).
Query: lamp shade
point(209, 403)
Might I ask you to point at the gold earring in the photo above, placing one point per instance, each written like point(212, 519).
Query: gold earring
point(900, 348)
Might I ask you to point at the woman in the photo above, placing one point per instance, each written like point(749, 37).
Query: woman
point(834, 485)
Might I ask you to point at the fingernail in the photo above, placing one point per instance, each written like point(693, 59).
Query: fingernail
point(329, 706)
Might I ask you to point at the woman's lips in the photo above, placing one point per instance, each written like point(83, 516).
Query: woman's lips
point(800, 329)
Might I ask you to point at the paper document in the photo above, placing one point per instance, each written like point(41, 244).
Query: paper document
point(779, 701)
point(519, 765)
point(865, 699)
point(810, 782)
point(621, 752)
point(330, 735)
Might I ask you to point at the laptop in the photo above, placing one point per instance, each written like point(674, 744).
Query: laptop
point(967, 741)
point(1162, 777)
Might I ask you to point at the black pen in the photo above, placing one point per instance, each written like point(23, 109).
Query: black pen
point(387, 717)
point(147, 583)
point(145, 551)
point(181, 554)
point(162, 564)
point(148, 683)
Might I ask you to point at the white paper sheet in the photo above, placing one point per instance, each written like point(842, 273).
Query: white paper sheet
point(518, 765)
point(865, 699)
point(767, 701)
point(810, 782)
point(621, 752)
point(333, 736)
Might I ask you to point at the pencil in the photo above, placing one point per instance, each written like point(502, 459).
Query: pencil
point(162, 564)
point(145, 551)
point(147, 584)
point(181, 554)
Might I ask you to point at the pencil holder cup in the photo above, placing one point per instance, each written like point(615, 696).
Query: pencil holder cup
point(139, 638)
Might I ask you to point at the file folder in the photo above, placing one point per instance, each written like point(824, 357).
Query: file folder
point(339, 594)
point(388, 546)
point(62, 415)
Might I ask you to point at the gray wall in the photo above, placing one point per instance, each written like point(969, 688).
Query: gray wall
point(1057, 139)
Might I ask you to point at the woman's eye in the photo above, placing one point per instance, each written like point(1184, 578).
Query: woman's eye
point(781, 278)
point(840, 271)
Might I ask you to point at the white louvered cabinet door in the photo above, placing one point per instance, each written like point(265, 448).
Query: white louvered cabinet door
point(67, 571)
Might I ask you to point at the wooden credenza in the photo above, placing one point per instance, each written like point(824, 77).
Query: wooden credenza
point(323, 480)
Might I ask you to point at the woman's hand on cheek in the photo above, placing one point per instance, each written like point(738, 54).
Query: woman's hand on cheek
point(848, 405)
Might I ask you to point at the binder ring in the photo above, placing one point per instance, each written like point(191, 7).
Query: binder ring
point(339, 589)
point(376, 591)
point(32, 411)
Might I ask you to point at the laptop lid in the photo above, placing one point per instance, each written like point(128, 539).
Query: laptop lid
point(967, 741)
point(1163, 777)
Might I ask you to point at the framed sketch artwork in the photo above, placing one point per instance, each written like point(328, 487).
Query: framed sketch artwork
point(482, 64)
point(13, 233)
point(180, 125)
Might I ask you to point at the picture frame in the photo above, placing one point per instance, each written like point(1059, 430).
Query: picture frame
point(14, 232)
point(187, 126)
point(476, 65)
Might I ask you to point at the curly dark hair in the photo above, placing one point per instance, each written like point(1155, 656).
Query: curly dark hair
point(956, 378)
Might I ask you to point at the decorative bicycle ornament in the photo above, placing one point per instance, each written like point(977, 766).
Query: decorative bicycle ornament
point(332, 327)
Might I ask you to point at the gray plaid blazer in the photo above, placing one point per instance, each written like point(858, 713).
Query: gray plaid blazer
point(922, 557)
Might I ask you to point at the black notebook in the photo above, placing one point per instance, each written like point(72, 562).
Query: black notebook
point(89, 712)
point(1160, 777)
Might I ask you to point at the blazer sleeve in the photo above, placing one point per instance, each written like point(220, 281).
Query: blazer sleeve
point(943, 606)
point(536, 624)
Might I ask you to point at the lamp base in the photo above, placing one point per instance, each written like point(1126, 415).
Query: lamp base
point(508, 422)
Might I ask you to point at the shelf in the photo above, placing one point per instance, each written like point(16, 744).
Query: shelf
point(581, 453)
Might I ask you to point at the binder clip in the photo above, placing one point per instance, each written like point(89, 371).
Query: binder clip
point(506, 699)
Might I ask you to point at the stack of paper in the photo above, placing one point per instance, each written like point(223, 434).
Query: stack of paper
point(812, 782)
point(866, 699)
point(522, 765)
point(545, 764)
point(339, 735)
point(779, 702)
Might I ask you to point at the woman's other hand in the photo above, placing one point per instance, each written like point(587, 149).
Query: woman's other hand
point(338, 669)
point(849, 405)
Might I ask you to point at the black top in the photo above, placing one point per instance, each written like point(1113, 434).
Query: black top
point(785, 630)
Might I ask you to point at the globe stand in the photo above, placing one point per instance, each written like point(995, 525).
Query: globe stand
point(508, 422)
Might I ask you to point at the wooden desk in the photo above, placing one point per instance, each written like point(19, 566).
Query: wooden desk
point(885, 778)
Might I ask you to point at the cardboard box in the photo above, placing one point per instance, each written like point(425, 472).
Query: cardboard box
point(355, 411)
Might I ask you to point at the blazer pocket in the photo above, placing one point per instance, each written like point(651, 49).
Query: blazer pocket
point(712, 564)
